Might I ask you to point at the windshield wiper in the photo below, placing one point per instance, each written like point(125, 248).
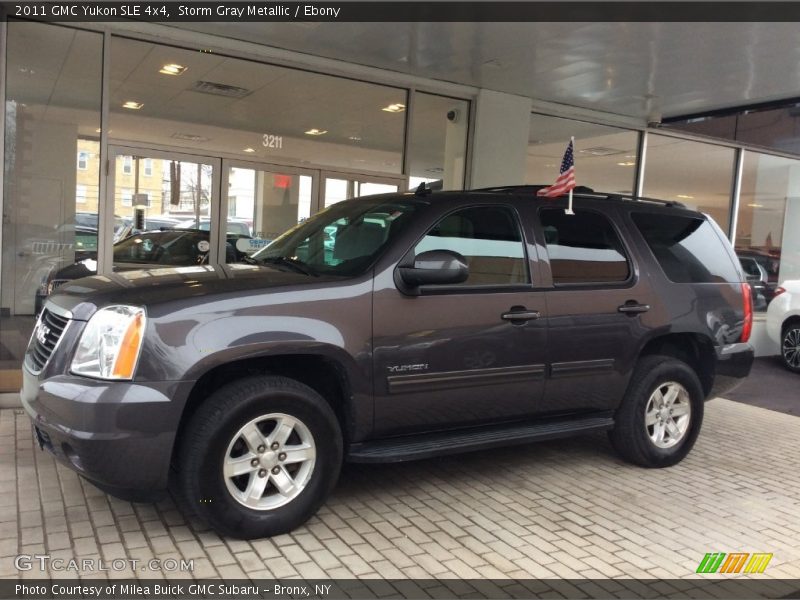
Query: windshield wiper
point(293, 264)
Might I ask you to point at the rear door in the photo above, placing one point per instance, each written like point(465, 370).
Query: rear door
point(597, 307)
point(462, 354)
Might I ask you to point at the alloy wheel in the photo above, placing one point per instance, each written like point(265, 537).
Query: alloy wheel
point(269, 461)
point(791, 347)
point(667, 414)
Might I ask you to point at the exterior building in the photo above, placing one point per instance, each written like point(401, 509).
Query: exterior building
point(104, 120)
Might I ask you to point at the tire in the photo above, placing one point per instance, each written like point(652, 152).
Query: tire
point(226, 429)
point(633, 435)
point(790, 341)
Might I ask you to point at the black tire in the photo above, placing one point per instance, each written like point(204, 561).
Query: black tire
point(790, 335)
point(630, 436)
point(204, 444)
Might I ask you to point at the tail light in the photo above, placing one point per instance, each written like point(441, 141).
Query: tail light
point(779, 290)
point(747, 326)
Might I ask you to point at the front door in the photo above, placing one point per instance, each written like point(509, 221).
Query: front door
point(468, 353)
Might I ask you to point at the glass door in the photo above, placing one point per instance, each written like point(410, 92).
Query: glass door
point(165, 209)
point(344, 186)
point(260, 203)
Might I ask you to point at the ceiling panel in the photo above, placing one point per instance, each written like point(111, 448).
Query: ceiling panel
point(641, 70)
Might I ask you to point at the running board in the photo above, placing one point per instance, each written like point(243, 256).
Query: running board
point(426, 445)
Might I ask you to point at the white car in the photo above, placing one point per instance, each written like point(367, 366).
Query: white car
point(783, 322)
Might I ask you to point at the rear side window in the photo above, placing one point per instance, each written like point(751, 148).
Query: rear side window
point(583, 248)
point(687, 248)
point(489, 238)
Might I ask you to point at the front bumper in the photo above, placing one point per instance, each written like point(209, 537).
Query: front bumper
point(733, 365)
point(118, 434)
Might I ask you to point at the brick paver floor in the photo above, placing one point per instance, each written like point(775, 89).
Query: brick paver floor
point(568, 508)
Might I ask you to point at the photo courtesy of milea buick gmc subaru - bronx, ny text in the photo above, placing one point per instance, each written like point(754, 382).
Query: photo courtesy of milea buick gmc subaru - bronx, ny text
point(391, 328)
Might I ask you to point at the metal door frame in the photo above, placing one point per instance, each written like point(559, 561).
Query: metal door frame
point(105, 263)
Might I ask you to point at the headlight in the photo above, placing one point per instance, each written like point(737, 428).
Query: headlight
point(110, 343)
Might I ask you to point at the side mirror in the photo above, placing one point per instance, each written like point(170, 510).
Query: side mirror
point(435, 267)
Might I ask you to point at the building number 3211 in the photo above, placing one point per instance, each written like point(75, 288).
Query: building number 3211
point(272, 141)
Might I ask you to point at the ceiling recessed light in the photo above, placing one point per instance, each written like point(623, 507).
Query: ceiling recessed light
point(685, 197)
point(133, 105)
point(627, 163)
point(754, 205)
point(354, 138)
point(394, 108)
point(315, 131)
point(250, 150)
point(173, 69)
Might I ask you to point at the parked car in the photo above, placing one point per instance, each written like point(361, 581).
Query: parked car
point(428, 324)
point(783, 323)
point(768, 264)
point(147, 250)
point(757, 277)
point(238, 226)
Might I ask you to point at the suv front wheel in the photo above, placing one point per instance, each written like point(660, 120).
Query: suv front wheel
point(660, 417)
point(259, 457)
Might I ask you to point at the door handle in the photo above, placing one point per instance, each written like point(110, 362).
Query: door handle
point(519, 315)
point(632, 307)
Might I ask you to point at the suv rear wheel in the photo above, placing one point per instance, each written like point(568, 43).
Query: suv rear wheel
point(790, 346)
point(259, 457)
point(660, 417)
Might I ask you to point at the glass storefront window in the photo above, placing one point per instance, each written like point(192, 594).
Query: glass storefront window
point(262, 204)
point(52, 116)
point(438, 147)
point(767, 182)
point(259, 112)
point(605, 157)
point(696, 174)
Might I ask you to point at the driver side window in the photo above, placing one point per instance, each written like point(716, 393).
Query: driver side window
point(489, 238)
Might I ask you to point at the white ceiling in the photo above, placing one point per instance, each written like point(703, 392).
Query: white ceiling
point(640, 70)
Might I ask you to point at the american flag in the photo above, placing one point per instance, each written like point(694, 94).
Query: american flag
point(566, 178)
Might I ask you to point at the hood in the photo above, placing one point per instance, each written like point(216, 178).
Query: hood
point(152, 287)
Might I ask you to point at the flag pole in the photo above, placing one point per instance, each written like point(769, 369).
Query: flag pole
point(569, 210)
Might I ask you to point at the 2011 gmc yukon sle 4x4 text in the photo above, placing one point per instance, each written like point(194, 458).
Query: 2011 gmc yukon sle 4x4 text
point(391, 328)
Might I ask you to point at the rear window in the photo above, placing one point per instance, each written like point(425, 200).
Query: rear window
point(688, 249)
point(583, 248)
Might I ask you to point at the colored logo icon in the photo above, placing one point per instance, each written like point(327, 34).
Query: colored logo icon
point(735, 562)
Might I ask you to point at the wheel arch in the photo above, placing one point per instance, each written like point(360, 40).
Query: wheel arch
point(695, 349)
point(326, 375)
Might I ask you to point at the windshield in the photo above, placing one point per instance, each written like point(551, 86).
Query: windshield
point(341, 240)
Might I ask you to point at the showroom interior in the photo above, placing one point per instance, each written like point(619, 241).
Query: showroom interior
point(248, 129)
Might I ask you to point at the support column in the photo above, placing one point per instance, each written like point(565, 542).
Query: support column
point(500, 143)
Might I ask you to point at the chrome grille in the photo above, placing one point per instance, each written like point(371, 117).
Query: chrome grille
point(48, 331)
point(55, 284)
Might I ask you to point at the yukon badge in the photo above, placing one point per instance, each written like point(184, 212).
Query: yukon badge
point(406, 368)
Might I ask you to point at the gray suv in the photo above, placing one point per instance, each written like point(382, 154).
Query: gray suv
point(390, 328)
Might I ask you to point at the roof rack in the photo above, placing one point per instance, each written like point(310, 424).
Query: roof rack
point(428, 187)
point(581, 190)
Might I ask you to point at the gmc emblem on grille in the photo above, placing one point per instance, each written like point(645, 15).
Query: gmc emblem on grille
point(41, 333)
